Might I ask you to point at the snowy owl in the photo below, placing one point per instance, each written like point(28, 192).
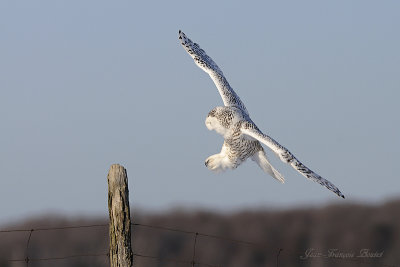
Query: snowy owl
point(241, 136)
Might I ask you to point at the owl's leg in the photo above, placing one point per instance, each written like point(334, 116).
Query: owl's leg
point(220, 162)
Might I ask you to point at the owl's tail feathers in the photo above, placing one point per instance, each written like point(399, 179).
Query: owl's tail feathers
point(261, 159)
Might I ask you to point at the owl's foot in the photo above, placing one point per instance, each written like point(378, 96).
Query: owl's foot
point(218, 162)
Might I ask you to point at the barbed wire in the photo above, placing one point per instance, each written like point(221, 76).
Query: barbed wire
point(192, 262)
point(60, 257)
point(198, 233)
point(54, 228)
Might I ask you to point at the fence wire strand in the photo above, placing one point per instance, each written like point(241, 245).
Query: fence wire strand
point(61, 257)
point(200, 234)
point(53, 228)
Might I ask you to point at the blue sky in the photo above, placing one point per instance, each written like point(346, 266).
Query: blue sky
point(90, 83)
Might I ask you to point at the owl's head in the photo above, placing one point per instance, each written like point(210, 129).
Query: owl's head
point(221, 119)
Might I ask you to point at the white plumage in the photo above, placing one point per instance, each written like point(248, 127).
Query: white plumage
point(241, 136)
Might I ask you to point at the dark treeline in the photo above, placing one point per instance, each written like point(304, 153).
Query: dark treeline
point(330, 236)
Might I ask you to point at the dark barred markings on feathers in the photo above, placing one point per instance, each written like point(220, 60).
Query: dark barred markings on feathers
point(242, 138)
point(212, 112)
point(240, 148)
point(227, 93)
point(225, 117)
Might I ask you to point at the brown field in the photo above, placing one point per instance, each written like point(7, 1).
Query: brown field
point(331, 236)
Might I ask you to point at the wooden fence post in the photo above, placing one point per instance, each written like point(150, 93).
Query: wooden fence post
point(120, 222)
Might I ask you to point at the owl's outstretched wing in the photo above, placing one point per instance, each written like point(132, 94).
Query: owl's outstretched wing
point(251, 130)
point(229, 97)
